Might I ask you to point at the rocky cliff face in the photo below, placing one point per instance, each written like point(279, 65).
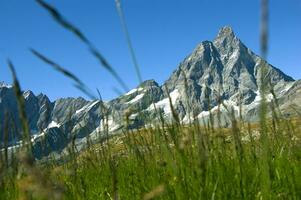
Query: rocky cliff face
point(223, 71)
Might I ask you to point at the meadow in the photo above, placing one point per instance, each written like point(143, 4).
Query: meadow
point(173, 161)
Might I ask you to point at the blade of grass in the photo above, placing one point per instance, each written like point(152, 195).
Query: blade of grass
point(265, 159)
point(21, 106)
point(70, 27)
point(78, 83)
point(128, 39)
point(264, 28)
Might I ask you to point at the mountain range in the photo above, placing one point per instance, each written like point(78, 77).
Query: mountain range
point(220, 75)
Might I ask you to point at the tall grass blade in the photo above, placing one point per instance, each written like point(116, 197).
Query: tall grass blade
point(67, 25)
point(128, 39)
point(264, 28)
point(78, 83)
point(265, 152)
point(21, 107)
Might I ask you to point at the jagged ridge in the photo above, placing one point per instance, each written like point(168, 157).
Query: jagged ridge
point(223, 69)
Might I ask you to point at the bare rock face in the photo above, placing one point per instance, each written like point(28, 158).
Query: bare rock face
point(223, 71)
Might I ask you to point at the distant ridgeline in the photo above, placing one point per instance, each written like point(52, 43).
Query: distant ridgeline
point(220, 75)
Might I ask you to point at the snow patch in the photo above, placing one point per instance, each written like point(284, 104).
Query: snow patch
point(286, 88)
point(53, 124)
point(137, 98)
point(164, 103)
point(97, 133)
point(86, 107)
point(204, 114)
point(26, 94)
point(228, 106)
point(257, 100)
point(133, 91)
point(34, 137)
point(44, 105)
point(112, 126)
point(186, 118)
point(12, 147)
point(269, 97)
point(133, 116)
point(234, 55)
point(188, 59)
point(2, 84)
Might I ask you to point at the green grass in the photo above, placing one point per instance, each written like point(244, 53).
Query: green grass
point(173, 162)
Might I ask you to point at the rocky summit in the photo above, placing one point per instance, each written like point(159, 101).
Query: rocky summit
point(220, 75)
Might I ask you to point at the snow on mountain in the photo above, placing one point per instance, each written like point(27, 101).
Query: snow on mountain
point(222, 70)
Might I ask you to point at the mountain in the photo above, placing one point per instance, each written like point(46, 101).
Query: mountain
point(221, 74)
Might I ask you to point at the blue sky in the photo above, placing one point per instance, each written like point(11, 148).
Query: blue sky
point(163, 33)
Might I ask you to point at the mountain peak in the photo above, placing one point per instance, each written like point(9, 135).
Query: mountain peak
point(3, 84)
point(226, 31)
point(149, 83)
point(226, 41)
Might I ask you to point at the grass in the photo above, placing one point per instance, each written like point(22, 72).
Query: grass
point(171, 162)
point(167, 161)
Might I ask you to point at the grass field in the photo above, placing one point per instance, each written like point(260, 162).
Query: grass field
point(170, 162)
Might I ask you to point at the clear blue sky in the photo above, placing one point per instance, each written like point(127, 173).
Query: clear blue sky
point(163, 32)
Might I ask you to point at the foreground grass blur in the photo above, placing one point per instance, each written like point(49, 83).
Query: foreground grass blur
point(171, 162)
